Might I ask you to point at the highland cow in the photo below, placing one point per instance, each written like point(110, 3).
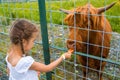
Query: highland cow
point(89, 33)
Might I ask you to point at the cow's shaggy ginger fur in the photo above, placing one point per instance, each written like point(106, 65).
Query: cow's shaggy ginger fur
point(90, 33)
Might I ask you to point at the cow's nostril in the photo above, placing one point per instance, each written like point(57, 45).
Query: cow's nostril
point(73, 45)
point(70, 42)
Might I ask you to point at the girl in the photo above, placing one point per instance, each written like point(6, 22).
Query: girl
point(22, 67)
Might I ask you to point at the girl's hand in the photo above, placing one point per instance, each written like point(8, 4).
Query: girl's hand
point(68, 54)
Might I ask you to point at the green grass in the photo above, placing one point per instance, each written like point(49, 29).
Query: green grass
point(10, 11)
point(29, 10)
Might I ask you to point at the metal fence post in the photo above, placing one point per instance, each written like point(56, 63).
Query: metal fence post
point(44, 34)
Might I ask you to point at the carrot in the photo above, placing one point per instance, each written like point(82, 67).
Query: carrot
point(70, 50)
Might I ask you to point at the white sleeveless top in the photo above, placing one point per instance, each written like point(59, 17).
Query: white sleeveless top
point(21, 70)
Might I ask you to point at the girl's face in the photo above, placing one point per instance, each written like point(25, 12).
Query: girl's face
point(30, 43)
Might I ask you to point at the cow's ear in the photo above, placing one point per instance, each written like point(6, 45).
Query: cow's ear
point(103, 9)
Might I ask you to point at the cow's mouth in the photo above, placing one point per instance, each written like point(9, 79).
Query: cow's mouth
point(70, 45)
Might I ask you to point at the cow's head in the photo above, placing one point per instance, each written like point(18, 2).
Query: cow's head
point(82, 19)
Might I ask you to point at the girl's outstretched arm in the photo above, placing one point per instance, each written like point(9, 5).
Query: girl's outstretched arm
point(46, 68)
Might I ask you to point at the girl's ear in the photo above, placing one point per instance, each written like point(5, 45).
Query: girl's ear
point(24, 42)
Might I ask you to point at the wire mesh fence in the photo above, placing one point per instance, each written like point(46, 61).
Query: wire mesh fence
point(59, 33)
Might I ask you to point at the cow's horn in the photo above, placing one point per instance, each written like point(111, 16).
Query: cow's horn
point(100, 10)
point(65, 11)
